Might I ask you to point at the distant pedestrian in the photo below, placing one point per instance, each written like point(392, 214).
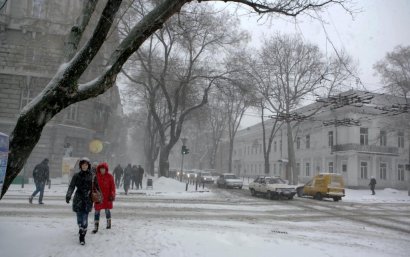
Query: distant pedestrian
point(127, 178)
point(94, 168)
point(41, 175)
point(107, 186)
point(118, 171)
point(140, 176)
point(134, 178)
point(372, 185)
point(84, 181)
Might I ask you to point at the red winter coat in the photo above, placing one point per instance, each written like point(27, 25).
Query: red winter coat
point(107, 186)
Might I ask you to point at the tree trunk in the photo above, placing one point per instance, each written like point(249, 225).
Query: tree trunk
point(163, 162)
point(230, 155)
point(267, 165)
point(291, 156)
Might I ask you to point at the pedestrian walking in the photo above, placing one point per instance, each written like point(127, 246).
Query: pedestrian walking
point(107, 186)
point(41, 175)
point(140, 176)
point(127, 178)
point(134, 178)
point(118, 171)
point(94, 168)
point(84, 182)
point(372, 185)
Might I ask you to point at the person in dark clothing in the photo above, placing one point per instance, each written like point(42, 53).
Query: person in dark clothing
point(118, 171)
point(372, 185)
point(140, 176)
point(82, 203)
point(41, 175)
point(127, 177)
point(134, 178)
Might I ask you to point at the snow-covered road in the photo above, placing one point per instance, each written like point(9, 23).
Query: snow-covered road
point(216, 223)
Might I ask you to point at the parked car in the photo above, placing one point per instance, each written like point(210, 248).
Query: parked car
point(324, 185)
point(272, 187)
point(205, 177)
point(229, 180)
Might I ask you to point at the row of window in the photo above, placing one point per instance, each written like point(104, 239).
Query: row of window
point(364, 140)
point(277, 167)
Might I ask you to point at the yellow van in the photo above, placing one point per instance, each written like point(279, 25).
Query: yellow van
point(324, 185)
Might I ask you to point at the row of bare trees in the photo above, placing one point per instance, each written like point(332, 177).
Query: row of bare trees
point(64, 88)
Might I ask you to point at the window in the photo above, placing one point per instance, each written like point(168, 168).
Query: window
point(330, 167)
point(307, 169)
point(260, 148)
point(383, 138)
point(275, 146)
point(382, 171)
point(344, 167)
point(298, 168)
point(298, 143)
point(38, 9)
point(400, 139)
point(307, 141)
point(72, 112)
point(364, 136)
point(400, 172)
point(27, 93)
point(274, 168)
point(363, 170)
point(330, 138)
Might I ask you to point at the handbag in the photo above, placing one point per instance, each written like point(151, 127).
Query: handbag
point(96, 196)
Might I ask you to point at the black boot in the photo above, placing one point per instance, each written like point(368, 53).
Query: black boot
point(96, 223)
point(108, 223)
point(82, 233)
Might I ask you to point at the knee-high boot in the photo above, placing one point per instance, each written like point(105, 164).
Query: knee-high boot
point(96, 223)
point(108, 223)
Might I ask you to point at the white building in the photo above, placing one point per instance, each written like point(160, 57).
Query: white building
point(378, 146)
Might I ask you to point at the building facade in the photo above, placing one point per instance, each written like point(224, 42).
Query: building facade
point(32, 37)
point(376, 144)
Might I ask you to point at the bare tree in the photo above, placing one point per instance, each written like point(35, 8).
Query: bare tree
point(64, 89)
point(291, 71)
point(394, 71)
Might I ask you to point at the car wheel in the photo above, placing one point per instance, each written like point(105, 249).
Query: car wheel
point(336, 199)
point(290, 197)
point(300, 191)
point(240, 187)
point(275, 196)
point(318, 196)
point(253, 193)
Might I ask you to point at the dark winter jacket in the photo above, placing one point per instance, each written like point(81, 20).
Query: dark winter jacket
point(372, 182)
point(107, 186)
point(140, 173)
point(41, 172)
point(127, 175)
point(134, 173)
point(82, 198)
point(118, 172)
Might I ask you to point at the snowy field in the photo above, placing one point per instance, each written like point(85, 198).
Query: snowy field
point(168, 221)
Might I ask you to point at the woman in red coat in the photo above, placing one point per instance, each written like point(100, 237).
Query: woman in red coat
point(107, 186)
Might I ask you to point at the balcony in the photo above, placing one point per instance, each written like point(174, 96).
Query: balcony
point(373, 149)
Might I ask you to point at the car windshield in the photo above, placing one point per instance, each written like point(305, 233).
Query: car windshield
point(230, 177)
point(276, 181)
point(205, 174)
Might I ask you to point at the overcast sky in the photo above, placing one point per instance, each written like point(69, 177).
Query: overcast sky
point(368, 36)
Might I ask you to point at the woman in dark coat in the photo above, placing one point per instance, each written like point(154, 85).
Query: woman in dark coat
point(107, 186)
point(82, 203)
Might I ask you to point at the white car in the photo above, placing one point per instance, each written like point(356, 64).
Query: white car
point(205, 177)
point(229, 180)
point(272, 187)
